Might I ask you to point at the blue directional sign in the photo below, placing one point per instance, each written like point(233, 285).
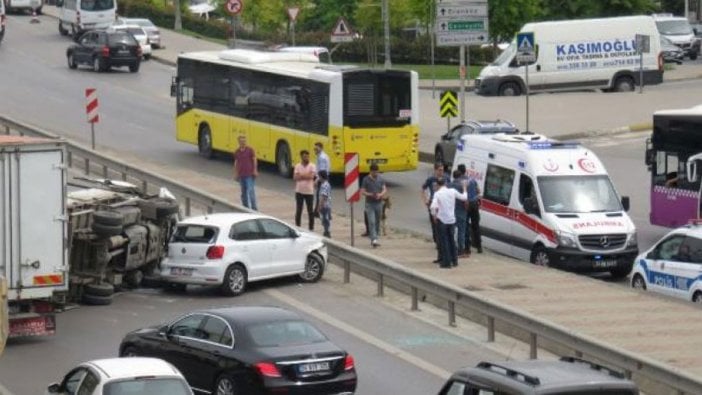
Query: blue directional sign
point(525, 42)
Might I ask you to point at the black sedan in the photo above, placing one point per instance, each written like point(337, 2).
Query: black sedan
point(105, 49)
point(247, 350)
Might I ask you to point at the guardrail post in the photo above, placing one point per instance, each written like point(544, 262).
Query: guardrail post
point(627, 374)
point(7, 129)
point(210, 210)
point(87, 166)
point(491, 329)
point(124, 176)
point(105, 172)
point(144, 186)
point(69, 158)
point(347, 272)
point(187, 206)
point(452, 313)
point(381, 285)
point(415, 299)
point(578, 354)
point(532, 346)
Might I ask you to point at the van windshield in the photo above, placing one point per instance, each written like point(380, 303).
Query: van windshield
point(97, 5)
point(578, 194)
point(506, 55)
point(674, 27)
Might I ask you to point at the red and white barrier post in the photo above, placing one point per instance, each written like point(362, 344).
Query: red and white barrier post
point(351, 176)
point(91, 109)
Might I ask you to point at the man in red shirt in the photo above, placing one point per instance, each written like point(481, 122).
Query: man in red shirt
point(246, 171)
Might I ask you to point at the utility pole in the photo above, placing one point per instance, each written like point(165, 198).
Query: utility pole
point(178, 19)
point(386, 22)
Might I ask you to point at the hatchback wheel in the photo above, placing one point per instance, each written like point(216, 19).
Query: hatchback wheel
point(314, 268)
point(97, 64)
point(133, 68)
point(638, 282)
point(225, 386)
point(234, 283)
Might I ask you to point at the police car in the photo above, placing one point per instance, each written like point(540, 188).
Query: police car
point(673, 266)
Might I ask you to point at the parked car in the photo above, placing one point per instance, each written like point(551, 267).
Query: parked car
point(139, 34)
point(233, 249)
point(567, 376)
point(116, 376)
point(151, 30)
point(673, 265)
point(445, 150)
point(248, 350)
point(679, 31)
point(671, 52)
point(105, 49)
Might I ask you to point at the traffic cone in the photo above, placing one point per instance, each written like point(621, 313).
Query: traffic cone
point(35, 18)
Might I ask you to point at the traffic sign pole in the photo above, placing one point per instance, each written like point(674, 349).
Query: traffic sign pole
point(462, 54)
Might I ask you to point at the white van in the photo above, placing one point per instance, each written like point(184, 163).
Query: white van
point(578, 54)
point(678, 30)
point(549, 202)
point(24, 5)
point(78, 16)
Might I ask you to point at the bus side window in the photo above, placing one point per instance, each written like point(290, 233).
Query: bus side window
point(666, 169)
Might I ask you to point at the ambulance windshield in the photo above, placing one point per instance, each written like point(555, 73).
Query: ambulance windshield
point(578, 194)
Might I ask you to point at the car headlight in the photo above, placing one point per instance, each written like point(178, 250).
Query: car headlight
point(632, 242)
point(566, 239)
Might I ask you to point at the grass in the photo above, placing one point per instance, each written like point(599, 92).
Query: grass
point(441, 71)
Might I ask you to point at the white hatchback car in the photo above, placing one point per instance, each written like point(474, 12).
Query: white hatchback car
point(140, 35)
point(233, 249)
point(673, 266)
point(123, 376)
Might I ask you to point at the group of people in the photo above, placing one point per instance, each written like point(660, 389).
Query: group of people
point(454, 207)
point(312, 187)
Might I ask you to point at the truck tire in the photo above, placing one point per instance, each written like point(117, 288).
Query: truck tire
point(133, 278)
point(111, 218)
point(158, 208)
point(97, 300)
point(99, 289)
point(106, 230)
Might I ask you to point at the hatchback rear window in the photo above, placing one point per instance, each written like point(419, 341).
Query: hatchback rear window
point(120, 38)
point(147, 386)
point(194, 234)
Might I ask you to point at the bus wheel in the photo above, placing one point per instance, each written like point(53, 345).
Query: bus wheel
point(204, 142)
point(283, 160)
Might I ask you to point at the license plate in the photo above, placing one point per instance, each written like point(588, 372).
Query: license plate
point(314, 367)
point(123, 52)
point(606, 263)
point(376, 161)
point(179, 271)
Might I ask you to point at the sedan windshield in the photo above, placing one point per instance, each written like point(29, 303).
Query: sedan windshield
point(578, 194)
point(678, 26)
point(147, 385)
point(284, 333)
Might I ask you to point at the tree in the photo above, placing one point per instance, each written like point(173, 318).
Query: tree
point(508, 16)
point(325, 13)
point(571, 9)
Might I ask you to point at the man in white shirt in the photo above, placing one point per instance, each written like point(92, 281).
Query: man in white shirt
point(442, 209)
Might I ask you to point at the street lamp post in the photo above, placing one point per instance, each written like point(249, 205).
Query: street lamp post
point(386, 24)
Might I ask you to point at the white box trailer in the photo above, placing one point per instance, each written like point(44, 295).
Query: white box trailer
point(33, 231)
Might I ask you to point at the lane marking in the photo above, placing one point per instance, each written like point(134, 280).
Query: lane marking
point(364, 336)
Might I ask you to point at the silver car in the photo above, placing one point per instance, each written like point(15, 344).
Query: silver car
point(151, 30)
point(445, 150)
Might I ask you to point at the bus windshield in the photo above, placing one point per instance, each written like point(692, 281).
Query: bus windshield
point(578, 194)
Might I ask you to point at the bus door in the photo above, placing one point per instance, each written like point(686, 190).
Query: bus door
point(674, 199)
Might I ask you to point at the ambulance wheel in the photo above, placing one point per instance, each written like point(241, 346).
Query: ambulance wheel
point(99, 289)
point(510, 88)
point(638, 282)
point(539, 256)
point(697, 297)
point(97, 300)
point(133, 278)
point(623, 83)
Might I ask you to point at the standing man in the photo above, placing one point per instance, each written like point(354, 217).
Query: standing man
point(322, 165)
point(374, 189)
point(323, 210)
point(427, 194)
point(474, 216)
point(461, 213)
point(443, 208)
point(246, 171)
point(304, 175)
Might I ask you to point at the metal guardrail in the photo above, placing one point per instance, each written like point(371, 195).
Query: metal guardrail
point(356, 260)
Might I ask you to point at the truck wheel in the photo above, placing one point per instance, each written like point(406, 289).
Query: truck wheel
point(133, 278)
point(510, 88)
point(165, 207)
point(97, 300)
point(283, 160)
point(106, 230)
point(623, 84)
point(99, 289)
point(111, 218)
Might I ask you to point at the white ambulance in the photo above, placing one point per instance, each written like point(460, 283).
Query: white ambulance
point(549, 202)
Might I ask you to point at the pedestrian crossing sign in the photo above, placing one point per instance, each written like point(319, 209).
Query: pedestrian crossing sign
point(525, 42)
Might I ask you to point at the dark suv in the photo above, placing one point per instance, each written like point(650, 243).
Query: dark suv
point(445, 150)
point(105, 49)
point(564, 377)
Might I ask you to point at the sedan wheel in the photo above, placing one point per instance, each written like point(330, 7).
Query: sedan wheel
point(225, 386)
point(638, 282)
point(314, 268)
point(234, 282)
point(71, 61)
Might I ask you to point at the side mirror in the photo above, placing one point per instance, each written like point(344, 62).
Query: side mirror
point(513, 63)
point(691, 171)
point(163, 331)
point(53, 388)
point(650, 157)
point(626, 203)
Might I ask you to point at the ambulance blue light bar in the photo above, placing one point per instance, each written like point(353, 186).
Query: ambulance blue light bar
point(552, 145)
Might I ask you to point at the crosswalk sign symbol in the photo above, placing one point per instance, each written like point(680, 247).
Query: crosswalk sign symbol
point(525, 42)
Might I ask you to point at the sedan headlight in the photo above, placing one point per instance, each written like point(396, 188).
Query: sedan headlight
point(566, 239)
point(632, 241)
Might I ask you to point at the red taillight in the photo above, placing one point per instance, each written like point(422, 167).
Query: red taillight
point(661, 66)
point(105, 51)
point(138, 51)
point(348, 363)
point(215, 252)
point(267, 369)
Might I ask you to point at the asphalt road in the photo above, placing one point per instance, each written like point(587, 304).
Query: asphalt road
point(395, 352)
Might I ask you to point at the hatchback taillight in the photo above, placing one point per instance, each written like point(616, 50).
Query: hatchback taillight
point(105, 51)
point(138, 50)
point(267, 369)
point(215, 252)
point(348, 363)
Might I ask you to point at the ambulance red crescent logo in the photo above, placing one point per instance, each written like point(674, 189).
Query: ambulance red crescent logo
point(587, 165)
point(550, 165)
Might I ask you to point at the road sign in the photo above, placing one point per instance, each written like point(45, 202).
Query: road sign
point(351, 175)
point(342, 31)
point(526, 48)
point(91, 105)
point(292, 13)
point(461, 22)
point(234, 7)
point(643, 43)
point(448, 104)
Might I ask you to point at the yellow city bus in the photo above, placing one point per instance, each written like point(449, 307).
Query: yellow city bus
point(285, 102)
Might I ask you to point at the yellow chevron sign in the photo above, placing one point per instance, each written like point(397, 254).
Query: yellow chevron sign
point(448, 104)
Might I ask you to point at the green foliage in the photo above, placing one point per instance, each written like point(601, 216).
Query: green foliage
point(325, 13)
point(508, 16)
point(570, 9)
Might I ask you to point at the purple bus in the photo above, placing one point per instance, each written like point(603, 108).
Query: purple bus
point(672, 155)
